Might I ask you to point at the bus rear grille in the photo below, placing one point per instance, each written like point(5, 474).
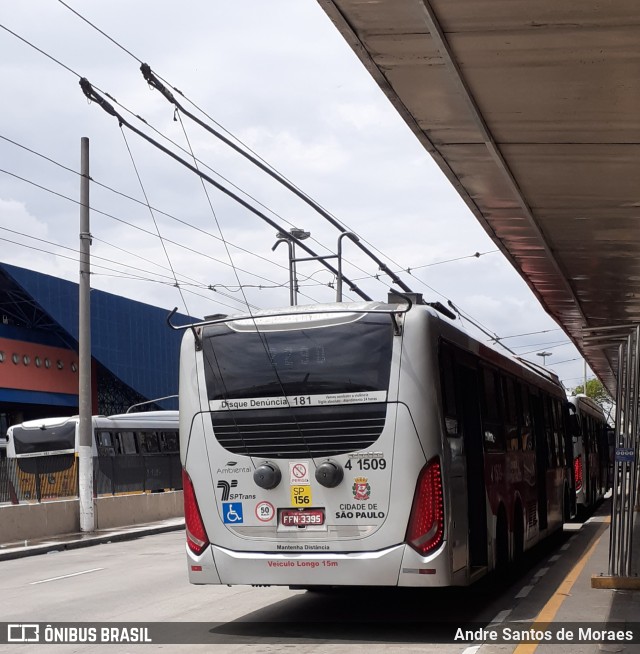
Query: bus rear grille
point(299, 432)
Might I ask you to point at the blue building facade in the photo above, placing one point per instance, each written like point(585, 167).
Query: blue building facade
point(135, 354)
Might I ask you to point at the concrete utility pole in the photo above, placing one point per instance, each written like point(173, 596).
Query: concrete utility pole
point(85, 475)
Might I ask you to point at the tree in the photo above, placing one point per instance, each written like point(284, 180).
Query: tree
point(597, 392)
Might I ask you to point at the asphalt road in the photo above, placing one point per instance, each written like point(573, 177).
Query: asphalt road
point(145, 580)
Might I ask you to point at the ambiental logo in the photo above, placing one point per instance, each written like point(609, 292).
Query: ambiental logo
point(226, 487)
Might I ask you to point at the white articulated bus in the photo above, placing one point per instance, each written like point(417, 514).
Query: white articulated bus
point(364, 444)
point(590, 451)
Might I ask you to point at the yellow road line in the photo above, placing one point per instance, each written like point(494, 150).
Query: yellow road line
point(550, 609)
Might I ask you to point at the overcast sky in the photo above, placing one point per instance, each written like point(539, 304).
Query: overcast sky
point(279, 77)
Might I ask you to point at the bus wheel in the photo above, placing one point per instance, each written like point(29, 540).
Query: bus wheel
point(502, 544)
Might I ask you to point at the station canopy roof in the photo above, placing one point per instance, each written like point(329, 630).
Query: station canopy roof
point(532, 110)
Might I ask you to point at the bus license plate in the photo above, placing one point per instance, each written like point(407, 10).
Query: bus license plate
point(302, 517)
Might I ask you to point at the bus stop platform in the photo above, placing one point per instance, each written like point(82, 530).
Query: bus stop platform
point(33, 547)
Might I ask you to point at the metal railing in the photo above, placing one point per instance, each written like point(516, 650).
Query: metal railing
point(35, 479)
point(626, 339)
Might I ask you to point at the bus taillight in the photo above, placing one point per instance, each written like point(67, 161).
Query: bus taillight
point(197, 538)
point(577, 471)
point(426, 524)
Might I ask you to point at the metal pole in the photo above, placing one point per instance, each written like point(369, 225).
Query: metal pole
point(85, 484)
point(632, 441)
point(294, 275)
point(613, 532)
point(292, 281)
point(624, 499)
point(355, 239)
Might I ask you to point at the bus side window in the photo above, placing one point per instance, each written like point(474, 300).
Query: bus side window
point(552, 454)
point(104, 443)
point(148, 441)
point(127, 442)
point(510, 414)
point(169, 442)
point(574, 422)
point(491, 419)
point(448, 384)
point(558, 432)
point(527, 433)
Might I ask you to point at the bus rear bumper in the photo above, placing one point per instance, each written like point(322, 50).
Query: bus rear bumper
point(202, 569)
point(394, 566)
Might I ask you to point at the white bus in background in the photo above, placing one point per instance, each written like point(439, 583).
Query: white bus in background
point(51, 445)
point(364, 444)
point(590, 451)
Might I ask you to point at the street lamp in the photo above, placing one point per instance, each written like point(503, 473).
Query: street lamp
point(544, 356)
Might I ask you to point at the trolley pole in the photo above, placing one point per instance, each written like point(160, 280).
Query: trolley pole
point(85, 475)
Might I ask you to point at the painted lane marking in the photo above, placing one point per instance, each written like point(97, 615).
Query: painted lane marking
point(73, 574)
point(565, 547)
point(550, 609)
point(554, 558)
point(501, 617)
point(524, 592)
point(471, 650)
point(542, 571)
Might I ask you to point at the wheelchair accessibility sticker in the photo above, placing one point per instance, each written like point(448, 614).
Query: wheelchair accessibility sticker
point(232, 513)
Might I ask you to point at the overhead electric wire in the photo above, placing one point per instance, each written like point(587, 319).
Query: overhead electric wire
point(129, 224)
point(195, 281)
point(182, 284)
point(153, 217)
point(175, 156)
point(138, 277)
point(542, 331)
point(479, 326)
point(353, 286)
point(244, 151)
point(157, 132)
point(551, 346)
point(91, 94)
point(46, 54)
point(137, 201)
point(153, 81)
point(99, 30)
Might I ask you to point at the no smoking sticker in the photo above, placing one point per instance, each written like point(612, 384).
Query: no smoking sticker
point(299, 473)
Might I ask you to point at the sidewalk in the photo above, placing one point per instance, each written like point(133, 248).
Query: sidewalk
point(575, 601)
point(73, 541)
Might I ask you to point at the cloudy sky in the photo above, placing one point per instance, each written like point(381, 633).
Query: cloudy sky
point(277, 76)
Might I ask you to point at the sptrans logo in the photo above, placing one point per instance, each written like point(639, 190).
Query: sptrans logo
point(226, 487)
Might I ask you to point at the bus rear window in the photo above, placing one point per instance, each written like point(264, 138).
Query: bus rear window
point(49, 439)
point(335, 359)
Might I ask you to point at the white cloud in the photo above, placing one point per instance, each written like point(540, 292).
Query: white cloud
point(280, 76)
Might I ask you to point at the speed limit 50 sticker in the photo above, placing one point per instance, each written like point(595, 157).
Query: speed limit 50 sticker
point(265, 511)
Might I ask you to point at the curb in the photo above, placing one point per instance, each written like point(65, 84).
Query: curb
point(34, 550)
point(615, 583)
